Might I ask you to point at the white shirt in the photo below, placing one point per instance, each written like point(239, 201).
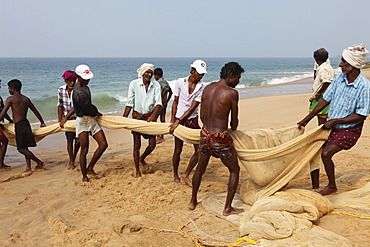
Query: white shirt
point(181, 90)
point(143, 101)
point(324, 74)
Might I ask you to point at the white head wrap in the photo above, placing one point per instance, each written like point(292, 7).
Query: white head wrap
point(355, 55)
point(143, 68)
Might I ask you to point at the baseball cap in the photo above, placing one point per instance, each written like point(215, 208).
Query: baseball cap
point(200, 66)
point(84, 71)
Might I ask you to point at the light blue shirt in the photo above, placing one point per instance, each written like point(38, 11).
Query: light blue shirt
point(347, 99)
point(143, 101)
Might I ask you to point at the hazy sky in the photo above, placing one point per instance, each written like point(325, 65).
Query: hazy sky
point(176, 28)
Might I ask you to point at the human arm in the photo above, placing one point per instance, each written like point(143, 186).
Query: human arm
point(321, 91)
point(354, 118)
point(320, 106)
point(37, 114)
point(234, 111)
point(60, 114)
point(126, 111)
point(5, 109)
point(65, 119)
point(184, 116)
point(154, 115)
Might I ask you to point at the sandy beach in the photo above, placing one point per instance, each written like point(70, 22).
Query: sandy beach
point(54, 208)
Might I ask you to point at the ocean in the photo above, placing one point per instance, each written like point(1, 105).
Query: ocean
point(41, 77)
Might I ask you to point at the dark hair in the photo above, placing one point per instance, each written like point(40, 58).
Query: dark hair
point(158, 72)
point(16, 84)
point(321, 55)
point(231, 68)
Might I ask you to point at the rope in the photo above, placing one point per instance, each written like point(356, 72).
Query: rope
point(349, 214)
point(242, 240)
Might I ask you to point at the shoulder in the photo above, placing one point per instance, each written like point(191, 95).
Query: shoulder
point(155, 83)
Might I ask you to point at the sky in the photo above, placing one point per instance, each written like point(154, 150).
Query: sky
point(178, 28)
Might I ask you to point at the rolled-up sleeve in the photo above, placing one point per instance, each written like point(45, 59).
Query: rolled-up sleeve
point(131, 95)
point(158, 95)
point(176, 90)
point(60, 98)
point(363, 105)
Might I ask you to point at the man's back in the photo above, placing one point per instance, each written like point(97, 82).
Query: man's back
point(218, 100)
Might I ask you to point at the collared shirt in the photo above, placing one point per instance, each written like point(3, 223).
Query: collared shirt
point(324, 74)
point(65, 101)
point(143, 101)
point(185, 99)
point(347, 99)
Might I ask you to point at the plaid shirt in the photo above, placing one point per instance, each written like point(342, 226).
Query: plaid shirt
point(65, 101)
point(346, 99)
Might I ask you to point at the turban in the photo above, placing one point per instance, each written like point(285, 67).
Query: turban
point(355, 55)
point(143, 68)
point(69, 75)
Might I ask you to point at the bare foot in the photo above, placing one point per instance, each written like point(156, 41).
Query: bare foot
point(138, 174)
point(71, 166)
point(192, 205)
point(142, 161)
point(232, 211)
point(186, 181)
point(328, 190)
point(4, 167)
point(160, 140)
point(40, 167)
point(316, 190)
point(86, 179)
point(176, 180)
point(93, 174)
point(148, 169)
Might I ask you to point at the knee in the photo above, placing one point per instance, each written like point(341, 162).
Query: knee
point(84, 151)
point(326, 154)
point(152, 145)
point(177, 152)
point(104, 146)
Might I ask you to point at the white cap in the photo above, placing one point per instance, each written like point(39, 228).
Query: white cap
point(84, 71)
point(200, 66)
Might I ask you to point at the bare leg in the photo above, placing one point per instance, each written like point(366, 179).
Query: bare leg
point(3, 148)
point(234, 169)
point(70, 165)
point(149, 149)
point(84, 143)
point(192, 163)
point(176, 159)
point(326, 156)
point(197, 178)
point(30, 156)
point(160, 138)
point(136, 152)
point(75, 150)
point(315, 179)
point(102, 146)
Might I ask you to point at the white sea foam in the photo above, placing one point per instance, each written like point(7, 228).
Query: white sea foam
point(289, 79)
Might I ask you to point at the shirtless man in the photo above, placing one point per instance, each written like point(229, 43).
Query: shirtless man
point(3, 139)
point(23, 132)
point(218, 100)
